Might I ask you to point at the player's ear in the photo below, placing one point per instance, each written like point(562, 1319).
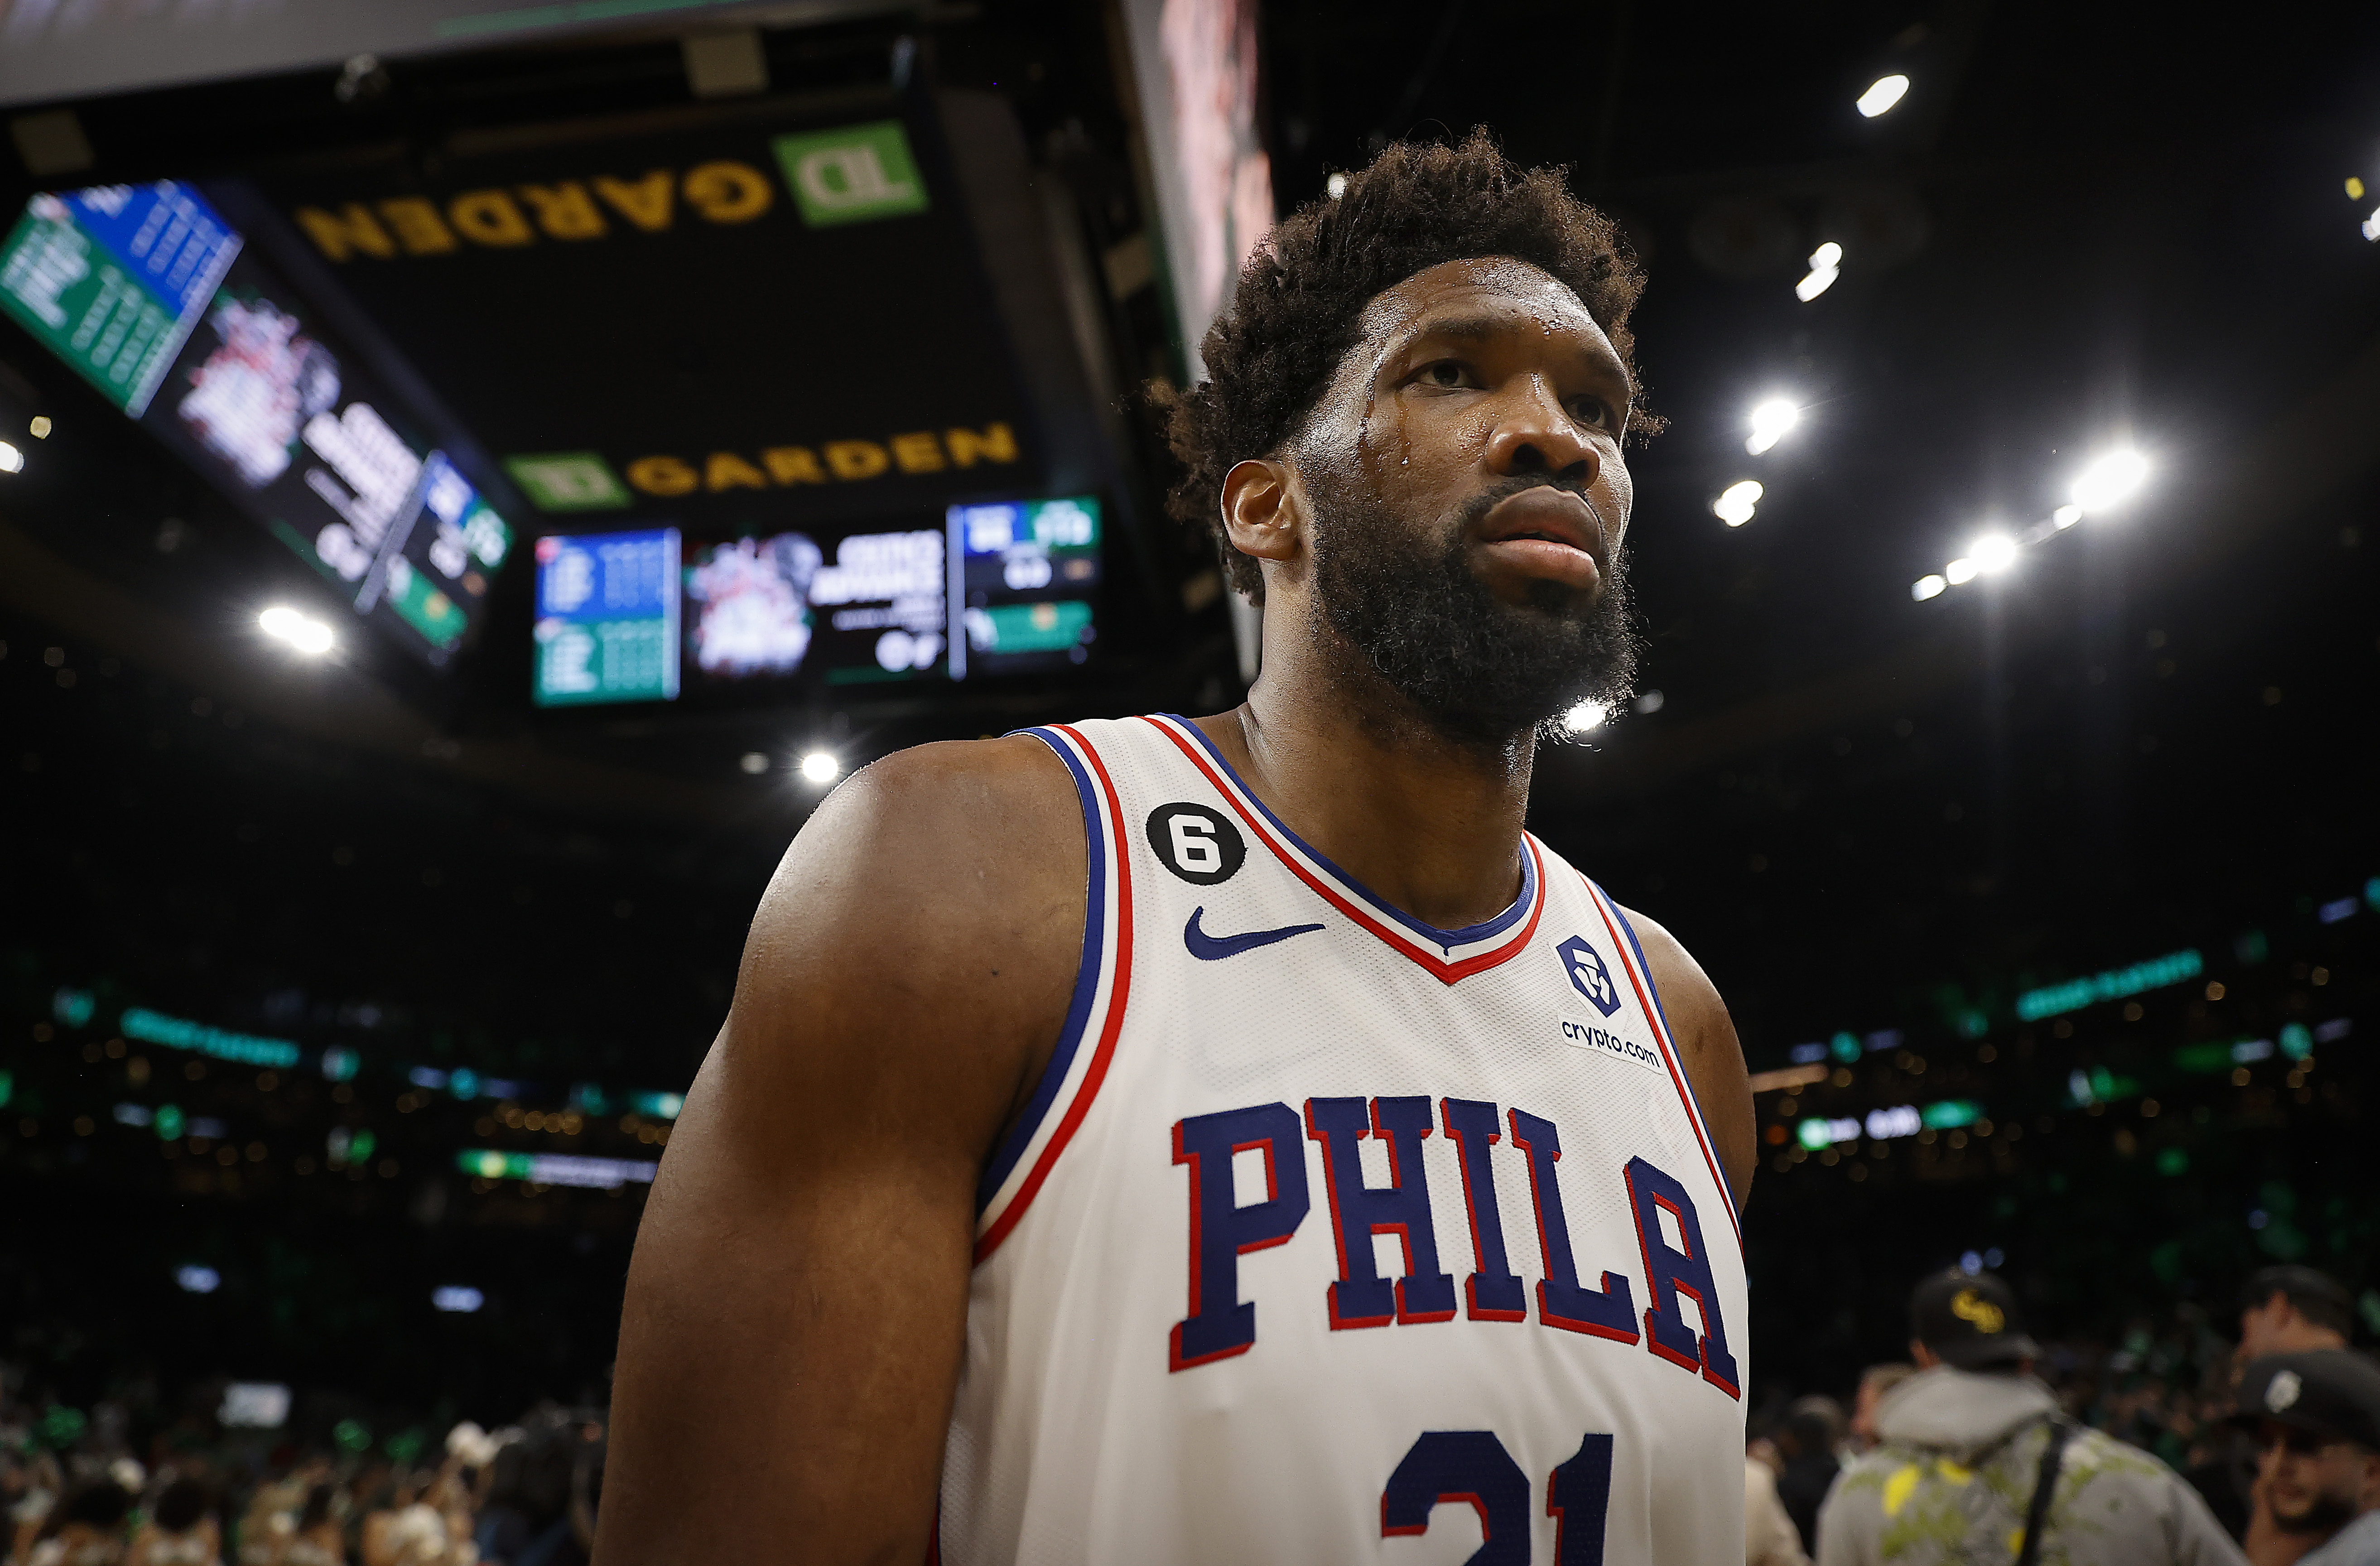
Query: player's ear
point(1262, 511)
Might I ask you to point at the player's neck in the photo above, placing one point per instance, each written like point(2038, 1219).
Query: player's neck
point(1429, 824)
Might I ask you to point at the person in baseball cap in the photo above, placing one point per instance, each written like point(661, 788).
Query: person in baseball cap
point(2317, 1413)
point(1970, 1320)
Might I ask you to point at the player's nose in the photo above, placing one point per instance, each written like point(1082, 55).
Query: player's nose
point(1533, 434)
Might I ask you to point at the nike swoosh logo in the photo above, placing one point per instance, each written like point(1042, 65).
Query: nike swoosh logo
point(1215, 948)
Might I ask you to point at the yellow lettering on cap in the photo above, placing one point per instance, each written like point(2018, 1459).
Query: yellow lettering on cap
point(996, 444)
point(1968, 1306)
point(663, 476)
point(564, 210)
point(856, 459)
point(489, 217)
point(419, 228)
point(340, 234)
point(728, 191)
point(794, 464)
point(1896, 1489)
point(645, 202)
point(918, 453)
point(725, 470)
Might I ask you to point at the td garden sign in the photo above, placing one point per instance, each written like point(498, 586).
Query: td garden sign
point(763, 322)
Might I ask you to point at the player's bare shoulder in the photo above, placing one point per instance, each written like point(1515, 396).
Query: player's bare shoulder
point(1704, 1032)
point(930, 914)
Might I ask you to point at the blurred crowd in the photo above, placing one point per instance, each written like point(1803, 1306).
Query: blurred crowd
point(2181, 1443)
point(93, 1491)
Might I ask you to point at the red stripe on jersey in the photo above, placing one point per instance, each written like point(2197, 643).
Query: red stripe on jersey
point(1113, 1024)
point(1443, 971)
point(1668, 1054)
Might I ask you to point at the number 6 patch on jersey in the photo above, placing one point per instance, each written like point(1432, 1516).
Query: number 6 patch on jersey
point(1197, 844)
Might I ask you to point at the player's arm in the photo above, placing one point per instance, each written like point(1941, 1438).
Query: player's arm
point(1705, 1034)
point(796, 1306)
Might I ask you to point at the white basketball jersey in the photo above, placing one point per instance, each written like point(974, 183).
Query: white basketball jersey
point(1330, 1236)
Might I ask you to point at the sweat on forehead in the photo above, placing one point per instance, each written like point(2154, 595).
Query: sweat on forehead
point(1305, 300)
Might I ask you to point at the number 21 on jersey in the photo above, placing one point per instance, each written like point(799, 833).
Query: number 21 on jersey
point(1473, 1466)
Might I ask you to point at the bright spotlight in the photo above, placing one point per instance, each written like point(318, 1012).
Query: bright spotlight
point(820, 767)
point(1585, 716)
point(11, 460)
point(1338, 184)
point(2110, 481)
point(1992, 552)
point(2067, 515)
point(41, 427)
point(2371, 226)
point(460, 1298)
point(1881, 94)
point(309, 636)
point(1770, 420)
point(1928, 587)
point(1960, 572)
point(1735, 502)
point(1825, 265)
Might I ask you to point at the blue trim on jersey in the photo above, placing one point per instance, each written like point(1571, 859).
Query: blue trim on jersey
point(1654, 985)
point(1086, 983)
point(1445, 939)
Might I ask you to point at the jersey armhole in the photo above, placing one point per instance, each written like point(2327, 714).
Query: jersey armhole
point(1073, 1075)
point(1694, 1098)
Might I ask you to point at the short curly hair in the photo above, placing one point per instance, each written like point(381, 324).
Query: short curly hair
point(1299, 304)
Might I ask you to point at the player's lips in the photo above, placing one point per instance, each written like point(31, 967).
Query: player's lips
point(1545, 531)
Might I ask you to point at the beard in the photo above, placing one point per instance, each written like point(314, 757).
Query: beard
point(1476, 670)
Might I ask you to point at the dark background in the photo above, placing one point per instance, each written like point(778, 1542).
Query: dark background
point(1860, 812)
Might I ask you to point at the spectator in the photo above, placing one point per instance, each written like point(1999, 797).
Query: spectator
point(1812, 1428)
point(183, 1531)
point(1874, 1382)
point(2286, 1309)
point(1974, 1456)
point(1768, 1535)
point(2317, 1413)
point(86, 1530)
point(316, 1540)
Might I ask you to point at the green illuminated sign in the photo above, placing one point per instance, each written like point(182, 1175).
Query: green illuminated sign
point(854, 175)
point(2113, 984)
point(181, 1033)
point(1951, 1113)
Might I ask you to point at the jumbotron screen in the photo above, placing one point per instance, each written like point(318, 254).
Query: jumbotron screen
point(654, 612)
point(149, 294)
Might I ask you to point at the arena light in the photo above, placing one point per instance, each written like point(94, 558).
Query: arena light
point(1337, 185)
point(2065, 516)
point(820, 767)
point(1585, 716)
point(2110, 479)
point(197, 1280)
point(1929, 586)
point(11, 460)
point(456, 1299)
point(1770, 421)
point(1960, 572)
point(1992, 553)
point(306, 634)
point(1735, 504)
point(1825, 265)
point(1881, 95)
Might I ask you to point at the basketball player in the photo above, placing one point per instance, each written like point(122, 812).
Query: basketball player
point(1237, 1139)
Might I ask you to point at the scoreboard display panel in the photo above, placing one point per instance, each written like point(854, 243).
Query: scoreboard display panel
point(1007, 588)
point(149, 294)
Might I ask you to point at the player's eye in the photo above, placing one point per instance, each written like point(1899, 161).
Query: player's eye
point(1592, 412)
point(1448, 372)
